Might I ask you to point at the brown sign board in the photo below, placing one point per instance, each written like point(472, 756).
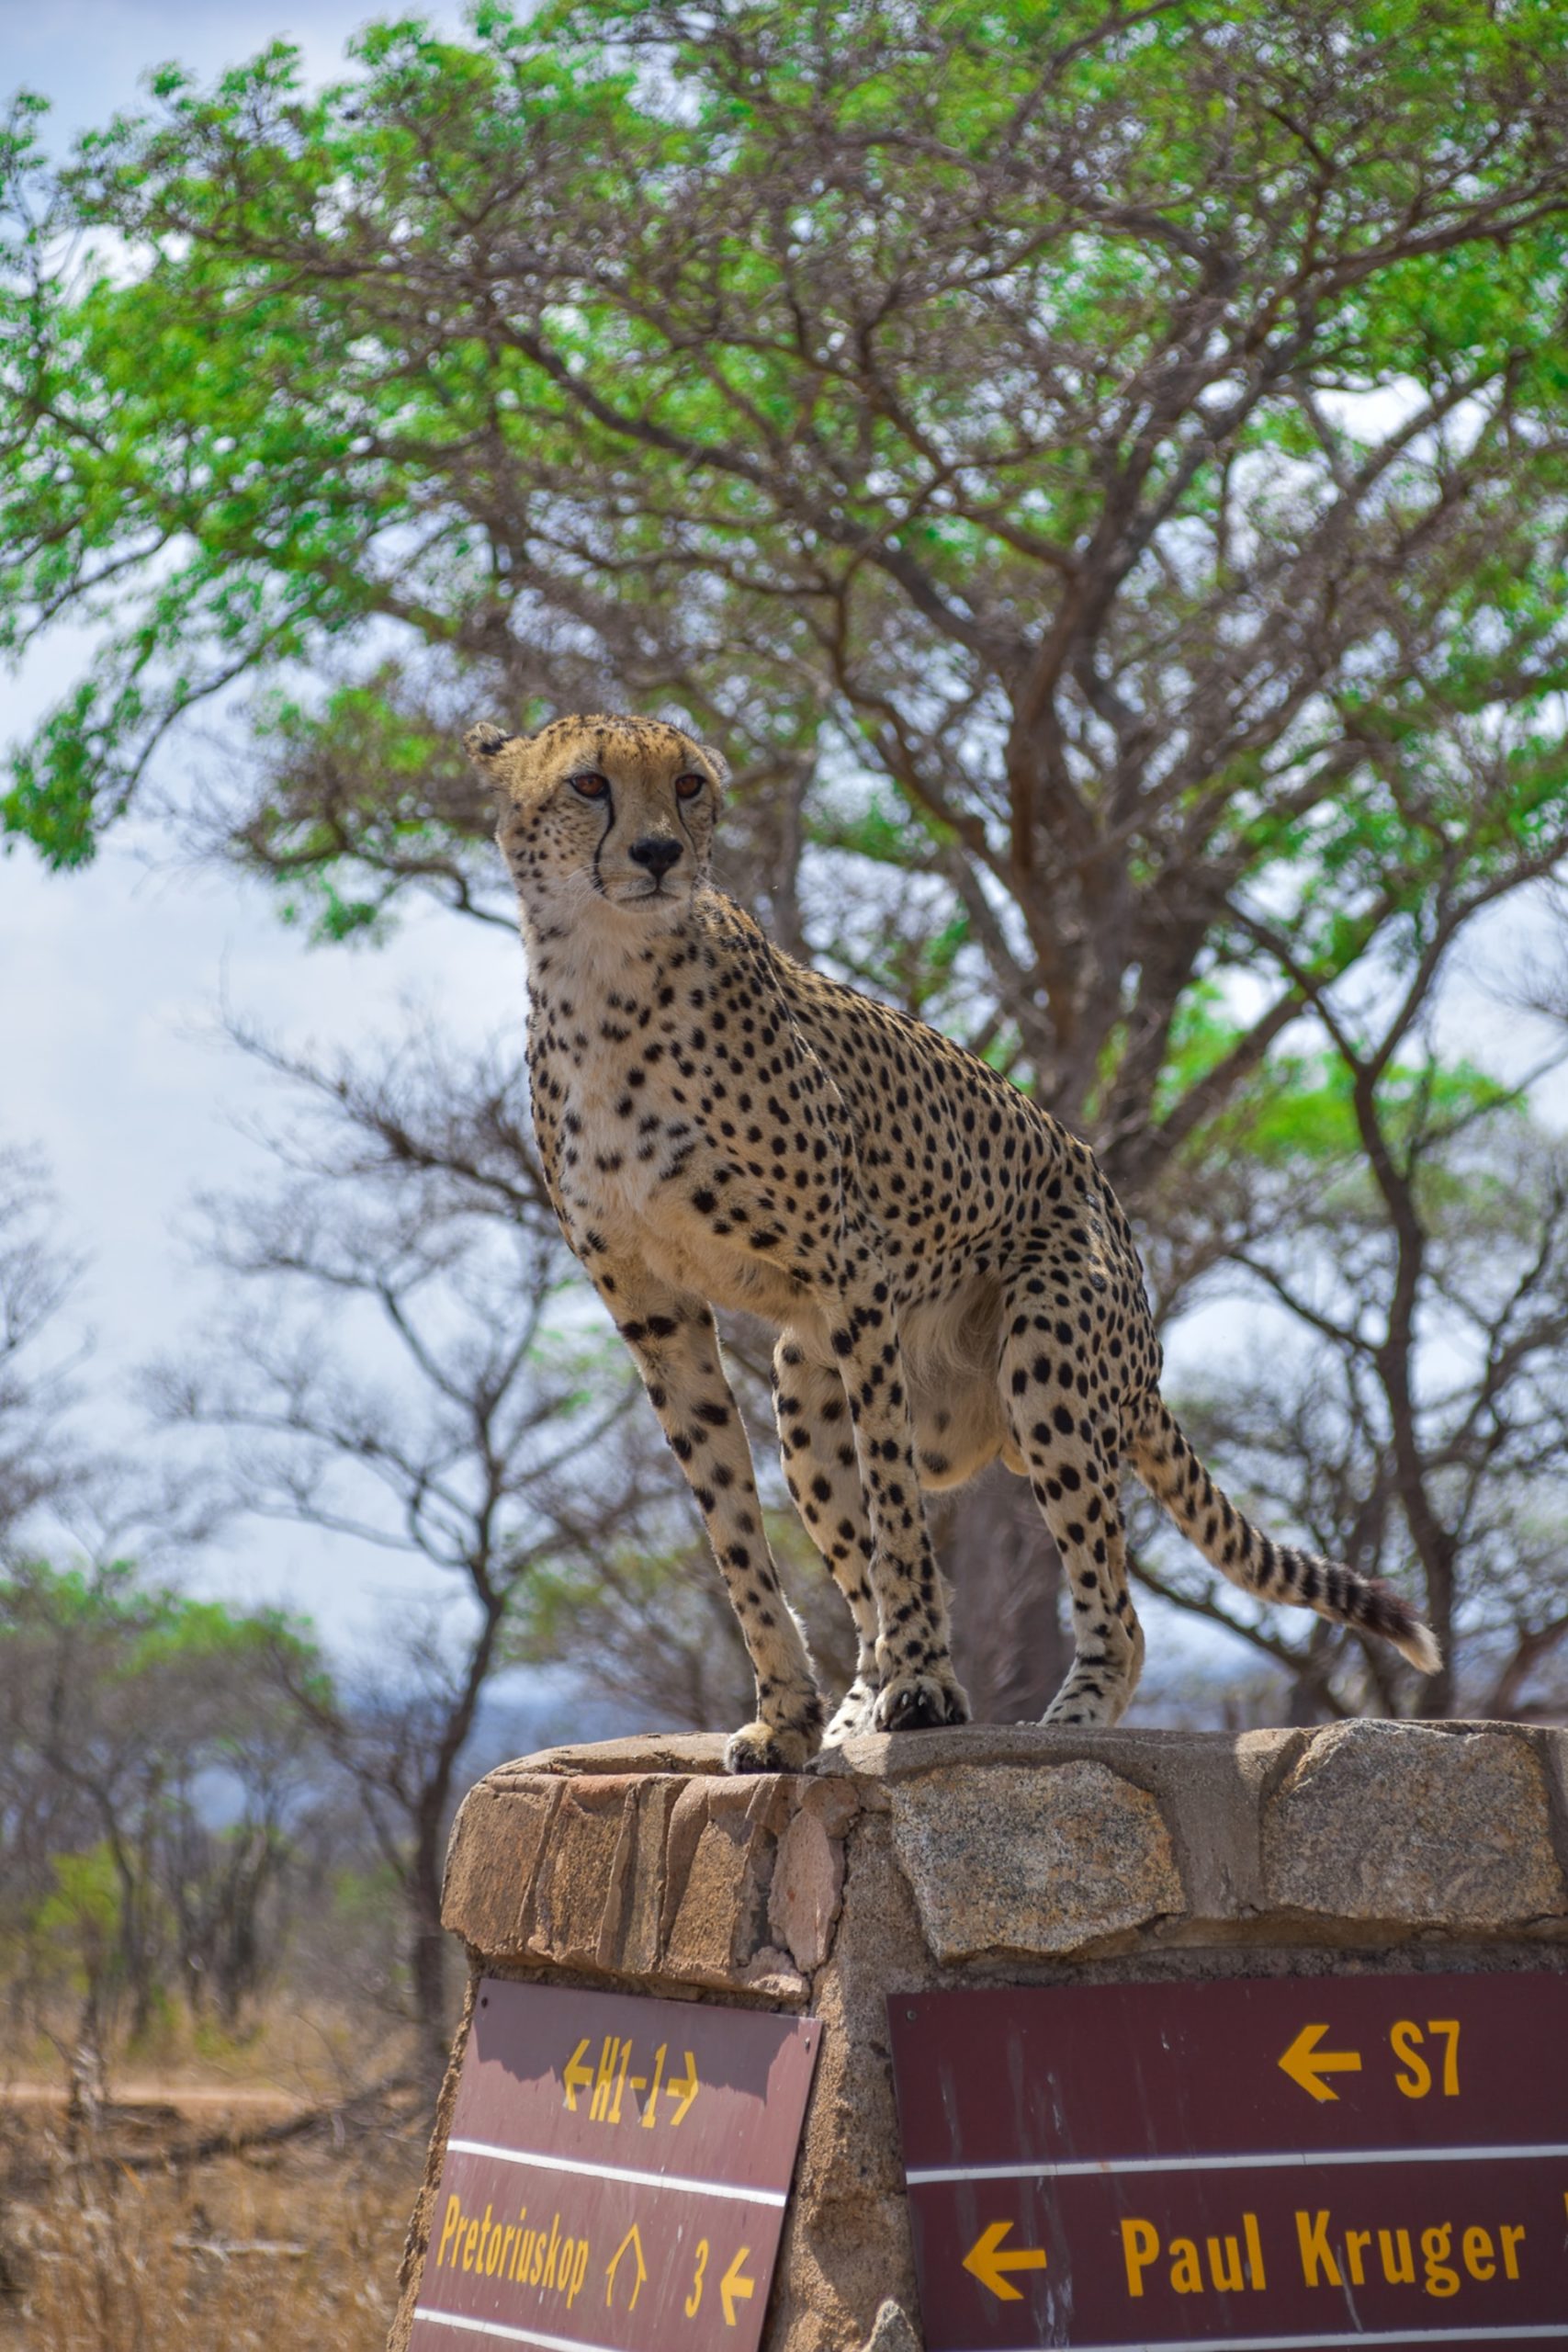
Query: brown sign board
point(1283, 2164)
point(616, 2174)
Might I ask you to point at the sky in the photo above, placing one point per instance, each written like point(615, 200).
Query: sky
point(89, 56)
point(110, 979)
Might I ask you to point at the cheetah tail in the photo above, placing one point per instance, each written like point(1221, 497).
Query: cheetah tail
point(1168, 1466)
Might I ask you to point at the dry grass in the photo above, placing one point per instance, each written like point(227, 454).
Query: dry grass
point(117, 2243)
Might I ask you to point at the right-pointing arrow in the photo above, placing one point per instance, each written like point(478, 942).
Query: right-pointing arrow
point(1306, 2064)
point(687, 2085)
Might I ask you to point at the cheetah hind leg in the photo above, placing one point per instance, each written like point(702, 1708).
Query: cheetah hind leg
point(1110, 1641)
point(1084, 1700)
point(1074, 1480)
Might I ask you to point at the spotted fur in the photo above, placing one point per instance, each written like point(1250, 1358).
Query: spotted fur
point(950, 1275)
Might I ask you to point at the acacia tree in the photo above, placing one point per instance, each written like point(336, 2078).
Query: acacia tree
point(1107, 464)
point(119, 1697)
point(1135, 435)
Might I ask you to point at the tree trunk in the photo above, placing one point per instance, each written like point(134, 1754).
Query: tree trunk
point(427, 1961)
point(1009, 1647)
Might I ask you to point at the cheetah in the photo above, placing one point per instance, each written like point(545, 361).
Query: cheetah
point(950, 1276)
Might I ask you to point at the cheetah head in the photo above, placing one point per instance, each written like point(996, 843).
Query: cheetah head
point(600, 814)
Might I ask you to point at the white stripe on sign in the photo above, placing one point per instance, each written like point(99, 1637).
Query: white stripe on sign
point(930, 2176)
point(503, 2333)
point(1318, 2342)
point(778, 2197)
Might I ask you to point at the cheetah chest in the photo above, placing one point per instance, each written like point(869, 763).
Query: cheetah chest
point(623, 1146)
point(637, 1175)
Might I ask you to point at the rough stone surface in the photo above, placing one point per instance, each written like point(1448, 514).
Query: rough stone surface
point(497, 1842)
point(709, 1925)
point(987, 1856)
point(719, 1854)
point(683, 1752)
point(579, 1884)
point(809, 1880)
point(1003, 1859)
point(893, 2331)
point(1405, 1822)
point(642, 1923)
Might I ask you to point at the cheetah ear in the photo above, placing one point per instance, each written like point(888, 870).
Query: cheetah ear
point(717, 764)
point(485, 744)
point(500, 759)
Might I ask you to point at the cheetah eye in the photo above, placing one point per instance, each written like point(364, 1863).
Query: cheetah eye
point(593, 788)
point(688, 786)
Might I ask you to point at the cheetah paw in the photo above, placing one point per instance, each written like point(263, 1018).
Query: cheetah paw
point(769, 1748)
point(1081, 1711)
point(855, 1713)
point(921, 1702)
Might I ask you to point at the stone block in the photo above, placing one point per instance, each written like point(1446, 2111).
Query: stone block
point(577, 1907)
point(1410, 1824)
point(683, 1752)
point(1002, 1858)
point(498, 1839)
point(648, 1828)
point(1551, 1747)
point(808, 1879)
point(718, 1857)
point(708, 1936)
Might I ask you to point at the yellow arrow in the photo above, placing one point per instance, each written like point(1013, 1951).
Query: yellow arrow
point(990, 2265)
point(734, 2288)
point(577, 2076)
point(634, 2240)
point(687, 2084)
point(1306, 2064)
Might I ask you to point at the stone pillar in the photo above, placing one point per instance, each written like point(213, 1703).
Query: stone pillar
point(981, 1857)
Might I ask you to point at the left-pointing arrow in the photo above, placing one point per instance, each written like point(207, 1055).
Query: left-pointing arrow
point(577, 2076)
point(1306, 2064)
point(990, 2265)
point(735, 2287)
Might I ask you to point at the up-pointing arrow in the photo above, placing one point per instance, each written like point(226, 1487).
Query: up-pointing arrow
point(632, 2241)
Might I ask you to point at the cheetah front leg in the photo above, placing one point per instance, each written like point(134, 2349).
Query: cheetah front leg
point(916, 1685)
point(671, 1333)
point(818, 1449)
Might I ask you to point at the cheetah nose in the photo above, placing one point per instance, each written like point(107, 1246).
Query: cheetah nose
point(658, 852)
